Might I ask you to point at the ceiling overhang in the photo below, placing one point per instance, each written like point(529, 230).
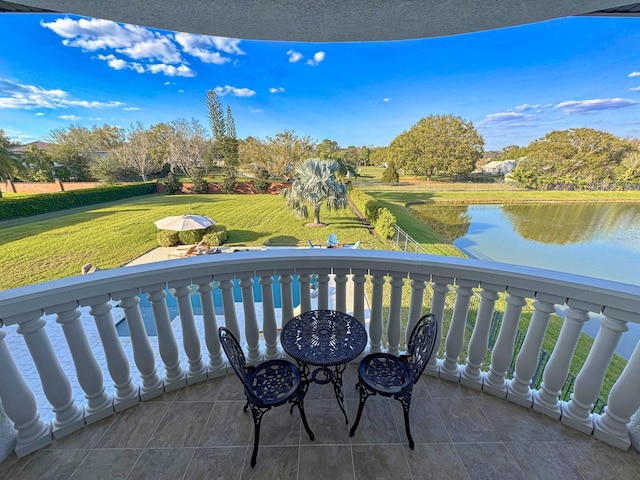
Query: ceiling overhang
point(327, 20)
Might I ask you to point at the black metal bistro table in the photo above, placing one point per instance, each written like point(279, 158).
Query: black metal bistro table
point(324, 339)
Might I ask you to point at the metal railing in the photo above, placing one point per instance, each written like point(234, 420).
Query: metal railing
point(407, 244)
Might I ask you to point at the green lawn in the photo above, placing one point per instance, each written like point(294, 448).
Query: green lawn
point(56, 245)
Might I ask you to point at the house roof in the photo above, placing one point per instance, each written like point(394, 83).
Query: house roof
point(23, 148)
point(327, 20)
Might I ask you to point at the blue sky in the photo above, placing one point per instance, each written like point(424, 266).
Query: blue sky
point(515, 84)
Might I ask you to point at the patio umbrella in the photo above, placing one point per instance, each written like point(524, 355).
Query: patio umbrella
point(181, 223)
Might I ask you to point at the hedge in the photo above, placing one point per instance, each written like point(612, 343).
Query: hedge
point(52, 202)
point(382, 219)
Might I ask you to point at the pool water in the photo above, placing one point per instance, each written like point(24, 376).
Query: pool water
point(172, 303)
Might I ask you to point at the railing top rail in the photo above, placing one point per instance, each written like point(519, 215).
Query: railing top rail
point(43, 296)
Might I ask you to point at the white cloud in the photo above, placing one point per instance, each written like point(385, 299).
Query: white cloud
point(171, 70)
point(255, 110)
point(503, 117)
point(168, 83)
point(72, 118)
point(133, 41)
point(27, 97)
point(39, 114)
point(202, 47)
point(317, 58)
point(634, 74)
point(507, 119)
point(131, 109)
point(386, 99)
point(294, 56)
point(595, 105)
point(180, 91)
point(236, 92)
point(525, 107)
point(276, 89)
point(635, 89)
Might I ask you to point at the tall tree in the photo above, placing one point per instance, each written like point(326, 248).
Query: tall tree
point(231, 141)
point(315, 184)
point(137, 152)
point(218, 126)
point(285, 151)
point(439, 144)
point(9, 164)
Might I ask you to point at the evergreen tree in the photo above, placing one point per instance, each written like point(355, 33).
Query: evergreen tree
point(218, 126)
point(390, 174)
point(231, 156)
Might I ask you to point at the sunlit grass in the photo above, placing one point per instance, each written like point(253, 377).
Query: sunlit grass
point(109, 235)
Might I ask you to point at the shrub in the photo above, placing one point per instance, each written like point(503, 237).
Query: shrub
point(261, 183)
point(52, 202)
point(191, 236)
point(215, 235)
point(200, 185)
point(390, 174)
point(168, 238)
point(173, 184)
point(368, 205)
point(384, 223)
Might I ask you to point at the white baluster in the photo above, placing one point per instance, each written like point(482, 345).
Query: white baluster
point(55, 383)
point(251, 328)
point(286, 292)
point(323, 292)
point(269, 323)
point(20, 405)
point(174, 376)
point(395, 311)
point(418, 284)
point(216, 367)
point(502, 355)
point(623, 400)
point(99, 404)
point(229, 305)
point(341, 288)
point(577, 412)
point(519, 388)
point(471, 375)
point(117, 363)
point(450, 369)
point(142, 351)
point(375, 324)
point(440, 290)
point(555, 374)
point(190, 339)
point(304, 281)
point(358, 294)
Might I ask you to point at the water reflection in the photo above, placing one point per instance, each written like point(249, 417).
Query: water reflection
point(449, 221)
point(565, 223)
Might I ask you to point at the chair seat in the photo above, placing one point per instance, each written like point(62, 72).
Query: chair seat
point(384, 373)
point(274, 382)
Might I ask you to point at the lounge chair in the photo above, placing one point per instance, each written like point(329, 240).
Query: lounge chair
point(311, 245)
point(188, 251)
point(355, 245)
point(332, 241)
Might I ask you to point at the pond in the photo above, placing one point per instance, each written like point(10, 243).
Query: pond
point(599, 240)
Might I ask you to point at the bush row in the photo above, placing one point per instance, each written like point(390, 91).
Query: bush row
point(381, 218)
point(52, 202)
point(214, 236)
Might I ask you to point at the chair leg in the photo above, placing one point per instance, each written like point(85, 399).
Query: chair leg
point(406, 405)
point(364, 394)
point(257, 418)
point(304, 420)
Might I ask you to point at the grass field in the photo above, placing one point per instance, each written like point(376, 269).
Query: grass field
point(56, 245)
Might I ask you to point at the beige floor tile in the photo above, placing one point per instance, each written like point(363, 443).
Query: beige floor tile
point(107, 464)
point(182, 426)
point(380, 462)
point(133, 427)
point(222, 463)
point(464, 420)
point(435, 461)
point(162, 464)
point(488, 461)
point(326, 462)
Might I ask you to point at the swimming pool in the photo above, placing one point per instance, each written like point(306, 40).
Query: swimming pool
point(172, 303)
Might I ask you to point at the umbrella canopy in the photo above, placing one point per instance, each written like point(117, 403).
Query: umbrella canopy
point(181, 223)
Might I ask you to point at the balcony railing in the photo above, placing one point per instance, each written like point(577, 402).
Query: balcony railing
point(388, 291)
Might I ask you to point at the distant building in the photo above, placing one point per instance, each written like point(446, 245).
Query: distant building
point(499, 168)
point(22, 149)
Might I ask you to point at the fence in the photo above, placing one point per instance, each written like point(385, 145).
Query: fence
point(405, 242)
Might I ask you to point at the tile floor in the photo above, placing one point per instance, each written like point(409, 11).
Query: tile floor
point(201, 431)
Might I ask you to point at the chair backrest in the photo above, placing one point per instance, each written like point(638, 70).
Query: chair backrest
point(421, 344)
point(332, 241)
point(311, 245)
point(356, 245)
point(234, 353)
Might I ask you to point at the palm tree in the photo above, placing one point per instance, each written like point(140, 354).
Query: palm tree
point(315, 184)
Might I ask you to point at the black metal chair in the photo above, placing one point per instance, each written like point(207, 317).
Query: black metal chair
point(267, 385)
point(391, 376)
